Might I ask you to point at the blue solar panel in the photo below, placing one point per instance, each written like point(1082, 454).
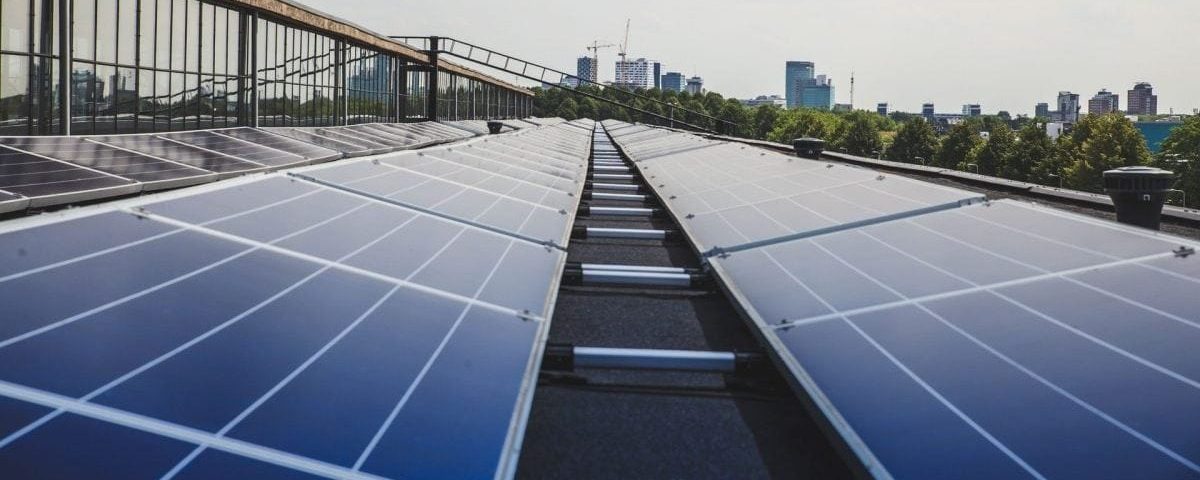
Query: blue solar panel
point(267, 328)
point(46, 181)
point(1014, 341)
point(153, 173)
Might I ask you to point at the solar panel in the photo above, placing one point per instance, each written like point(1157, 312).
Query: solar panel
point(345, 135)
point(394, 136)
point(178, 152)
point(348, 147)
point(529, 189)
point(392, 141)
point(398, 130)
point(729, 197)
point(153, 173)
point(1012, 340)
point(242, 149)
point(353, 324)
point(486, 209)
point(313, 153)
point(47, 182)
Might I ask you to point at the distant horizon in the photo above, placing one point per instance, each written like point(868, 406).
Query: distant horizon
point(949, 52)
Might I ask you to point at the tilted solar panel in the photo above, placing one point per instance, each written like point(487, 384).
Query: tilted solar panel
point(45, 181)
point(156, 146)
point(284, 328)
point(312, 153)
point(152, 173)
point(1016, 341)
point(348, 147)
point(242, 149)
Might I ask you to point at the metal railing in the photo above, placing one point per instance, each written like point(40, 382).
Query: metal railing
point(559, 79)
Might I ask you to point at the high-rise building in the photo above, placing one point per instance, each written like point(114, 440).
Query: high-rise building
point(1042, 110)
point(806, 89)
point(1103, 102)
point(587, 69)
point(795, 73)
point(927, 110)
point(634, 73)
point(695, 85)
point(657, 75)
point(881, 108)
point(972, 110)
point(674, 81)
point(1142, 100)
point(1068, 107)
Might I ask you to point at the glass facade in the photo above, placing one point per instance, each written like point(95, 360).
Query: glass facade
point(166, 65)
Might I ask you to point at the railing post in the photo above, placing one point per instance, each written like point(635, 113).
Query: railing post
point(64, 64)
point(431, 106)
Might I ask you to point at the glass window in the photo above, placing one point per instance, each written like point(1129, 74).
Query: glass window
point(127, 30)
point(84, 21)
point(106, 32)
point(14, 21)
point(14, 90)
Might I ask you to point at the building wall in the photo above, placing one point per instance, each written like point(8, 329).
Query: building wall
point(795, 73)
point(586, 68)
point(674, 81)
point(1142, 100)
point(161, 65)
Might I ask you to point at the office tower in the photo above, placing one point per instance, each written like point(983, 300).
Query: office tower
point(1103, 102)
point(1142, 100)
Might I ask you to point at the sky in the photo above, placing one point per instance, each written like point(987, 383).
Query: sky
point(1003, 54)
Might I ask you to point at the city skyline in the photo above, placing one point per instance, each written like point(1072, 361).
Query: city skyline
point(901, 55)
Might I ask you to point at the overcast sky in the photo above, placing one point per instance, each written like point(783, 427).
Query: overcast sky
point(1003, 54)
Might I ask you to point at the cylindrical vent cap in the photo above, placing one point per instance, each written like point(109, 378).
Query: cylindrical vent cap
point(1138, 194)
point(808, 147)
point(494, 127)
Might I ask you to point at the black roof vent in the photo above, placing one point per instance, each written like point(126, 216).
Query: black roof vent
point(808, 147)
point(1138, 194)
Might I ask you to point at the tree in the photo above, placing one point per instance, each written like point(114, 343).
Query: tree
point(958, 146)
point(861, 135)
point(737, 119)
point(764, 120)
point(999, 150)
point(1099, 143)
point(915, 142)
point(1181, 154)
point(807, 122)
point(1033, 148)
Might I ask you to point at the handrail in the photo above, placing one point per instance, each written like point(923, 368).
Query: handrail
point(522, 68)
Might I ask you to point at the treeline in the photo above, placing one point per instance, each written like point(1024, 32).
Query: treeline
point(709, 110)
point(1017, 149)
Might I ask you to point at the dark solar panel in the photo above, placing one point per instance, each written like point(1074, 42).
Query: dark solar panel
point(52, 182)
point(153, 173)
point(344, 135)
point(1004, 336)
point(353, 324)
point(347, 146)
point(178, 152)
point(393, 141)
point(242, 149)
point(313, 153)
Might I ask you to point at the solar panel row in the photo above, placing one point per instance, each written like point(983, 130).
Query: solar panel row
point(276, 327)
point(375, 138)
point(51, 171)
point(992, 340)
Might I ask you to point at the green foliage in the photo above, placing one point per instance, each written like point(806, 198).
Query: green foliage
point(860, 134)
point(807, 122)
point(958, 146)
point(1181, 154)
point(765, 117)
point(1099, 143)
point(999, 150)
point(916, 142)
point(1033, 148)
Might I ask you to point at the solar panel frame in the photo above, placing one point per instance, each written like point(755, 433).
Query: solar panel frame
point(152, 173)
point(85, 184)
point(780, 335)
point(224, 166)
point(312, 152)
point(308, 135)
point(504, 465)
point(11, 202)
point(210, 140)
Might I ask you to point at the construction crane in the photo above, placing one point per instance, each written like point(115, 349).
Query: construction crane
point(620, 74)
point(595, 48)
